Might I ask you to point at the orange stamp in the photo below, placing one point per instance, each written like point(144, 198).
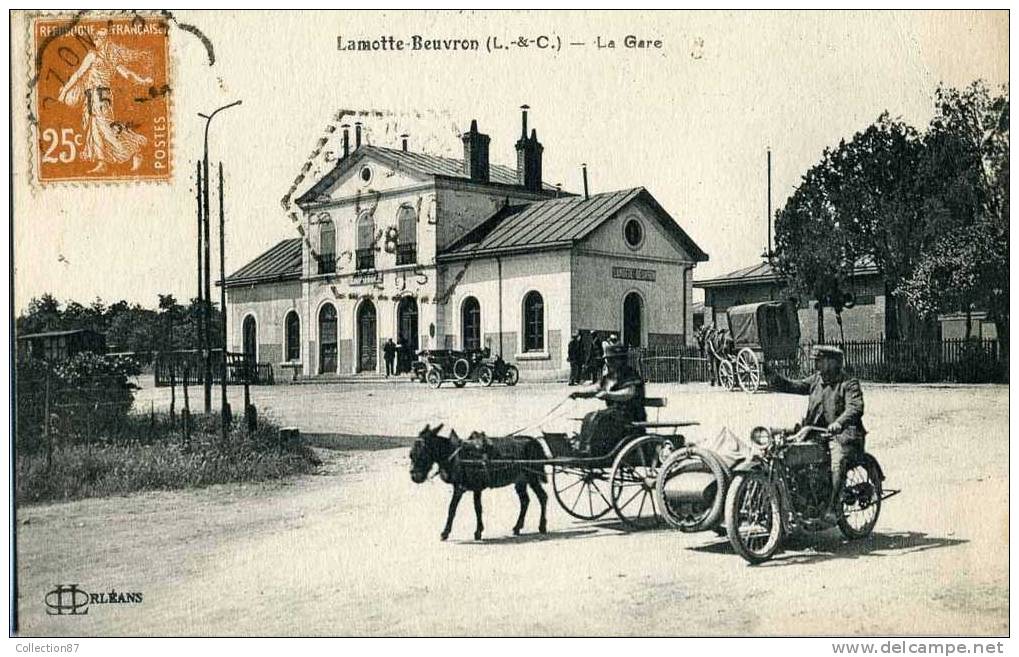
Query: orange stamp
point(102, 98)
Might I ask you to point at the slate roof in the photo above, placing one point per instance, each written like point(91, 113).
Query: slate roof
point(423, 163)
point(281, 262)
point(555, 223)
point(764, 273)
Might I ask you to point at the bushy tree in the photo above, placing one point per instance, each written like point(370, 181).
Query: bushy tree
point(929, 210)
point(965, 175)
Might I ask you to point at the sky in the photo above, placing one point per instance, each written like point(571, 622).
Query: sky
point(690, 121)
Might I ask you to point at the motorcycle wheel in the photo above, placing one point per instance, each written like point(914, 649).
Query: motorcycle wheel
point(753, 517)
point(861, 500)
point(512, 375)
point(485, 375)
point(434, 378)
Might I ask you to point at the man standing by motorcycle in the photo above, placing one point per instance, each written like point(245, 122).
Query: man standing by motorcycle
point(835, 402)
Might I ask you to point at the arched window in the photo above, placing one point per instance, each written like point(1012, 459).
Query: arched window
point(293, 336)
point(470, 323)
point(327, 249)
point(534, 322)
point(249, 331)
point(407, 236)
point(366, 241)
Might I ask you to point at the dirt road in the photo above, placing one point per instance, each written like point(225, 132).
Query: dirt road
point(355, 550)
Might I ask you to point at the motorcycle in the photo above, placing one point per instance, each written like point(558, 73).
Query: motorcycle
point(784, 486)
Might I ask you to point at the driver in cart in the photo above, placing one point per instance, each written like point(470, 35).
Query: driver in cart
point(622, 390)
point(836, 402)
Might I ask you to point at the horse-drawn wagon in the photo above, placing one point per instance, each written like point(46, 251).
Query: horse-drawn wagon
point(764, 332)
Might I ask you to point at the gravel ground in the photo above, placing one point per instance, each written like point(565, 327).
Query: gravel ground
point(354, 550)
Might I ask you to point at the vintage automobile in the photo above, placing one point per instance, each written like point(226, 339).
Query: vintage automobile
point(436, 366)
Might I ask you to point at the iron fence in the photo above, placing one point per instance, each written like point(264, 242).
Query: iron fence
point(936, 361)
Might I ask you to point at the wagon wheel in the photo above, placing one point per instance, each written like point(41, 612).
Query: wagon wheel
point(581, 492)
point(461, 369)
point(726, 377)
point(633, 481)
point(748, 370)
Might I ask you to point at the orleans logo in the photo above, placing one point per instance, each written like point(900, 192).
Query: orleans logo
point(69, 600)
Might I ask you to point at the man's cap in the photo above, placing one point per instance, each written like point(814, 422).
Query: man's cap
point(827, 351)
point(616, 351)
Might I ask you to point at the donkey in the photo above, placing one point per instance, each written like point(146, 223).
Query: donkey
point(449, 455)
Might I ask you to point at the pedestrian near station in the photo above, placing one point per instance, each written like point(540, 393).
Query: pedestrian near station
point(389, 355)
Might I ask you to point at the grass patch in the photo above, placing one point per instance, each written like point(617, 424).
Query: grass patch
point(155, 460)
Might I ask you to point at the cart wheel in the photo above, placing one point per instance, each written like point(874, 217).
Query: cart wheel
point(726, 378)
point(633, 481)
point(748, 370)
point(485, 375)
point(512, 375)
point(434, 378)
point(581, 492)
point(690, 489)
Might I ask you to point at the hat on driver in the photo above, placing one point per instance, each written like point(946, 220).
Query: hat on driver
point(826, 350)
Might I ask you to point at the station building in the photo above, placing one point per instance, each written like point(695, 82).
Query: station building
point(460, 254)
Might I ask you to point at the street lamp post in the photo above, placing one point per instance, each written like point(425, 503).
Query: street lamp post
point(208, 297)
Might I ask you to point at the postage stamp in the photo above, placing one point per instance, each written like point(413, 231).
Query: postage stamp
point(102, 107)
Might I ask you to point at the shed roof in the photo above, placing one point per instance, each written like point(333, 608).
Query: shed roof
point(281, 262)
point(55, 334)
point(764, 272)
point(555, 223)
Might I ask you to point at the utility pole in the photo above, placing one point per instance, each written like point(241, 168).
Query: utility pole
point(223, 404)
point(207, 306)
point(201, 238)
point(769, 204)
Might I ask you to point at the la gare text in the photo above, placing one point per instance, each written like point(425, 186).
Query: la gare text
point(421, 43)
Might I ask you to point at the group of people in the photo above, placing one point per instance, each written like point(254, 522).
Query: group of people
point(835, 401)
point(398, 356)
point(585, 353)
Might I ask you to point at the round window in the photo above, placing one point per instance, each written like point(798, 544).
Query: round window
point(366, 174)
point(633, 233)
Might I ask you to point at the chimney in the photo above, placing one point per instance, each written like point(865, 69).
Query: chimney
point(403, 138)
point(475, 153)
point(529, 151)
point(584, 168)
point(357, 135)
point(346, 139)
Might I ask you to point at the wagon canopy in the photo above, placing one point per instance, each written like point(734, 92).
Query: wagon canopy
point(771, 326)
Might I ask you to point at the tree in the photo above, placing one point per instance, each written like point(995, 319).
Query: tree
point(965, 177)
point(812, 250)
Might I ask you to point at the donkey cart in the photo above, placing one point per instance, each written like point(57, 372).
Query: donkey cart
point(768, 331)
point(588, 485)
